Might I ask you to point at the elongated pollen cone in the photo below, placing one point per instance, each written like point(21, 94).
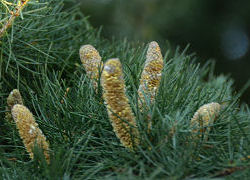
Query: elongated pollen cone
point(91, 61)
point(151, 74)
point(150, 77)
point(29, 131)
point(119, 110)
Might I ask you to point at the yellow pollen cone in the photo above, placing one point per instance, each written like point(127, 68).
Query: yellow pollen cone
point(151, 74)
point(92, 62)
point(29, 131)
point(13, 98)
point(119, 110)
point(204, 118)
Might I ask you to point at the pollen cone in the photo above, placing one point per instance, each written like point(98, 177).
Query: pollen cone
point(92, 62)
point(150, 77)
point(151, 74)
point(204, 118)
point(119, 110)
point(29, 131)
point(13, 98)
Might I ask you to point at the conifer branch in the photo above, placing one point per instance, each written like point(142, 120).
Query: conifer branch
point(13, 16)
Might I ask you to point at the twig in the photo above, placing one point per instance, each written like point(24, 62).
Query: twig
point(16, 13)
point(231, 170)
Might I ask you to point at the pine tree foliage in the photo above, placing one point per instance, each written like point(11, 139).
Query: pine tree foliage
point(39, 56)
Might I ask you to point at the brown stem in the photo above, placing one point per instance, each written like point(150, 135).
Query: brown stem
point(14, 14)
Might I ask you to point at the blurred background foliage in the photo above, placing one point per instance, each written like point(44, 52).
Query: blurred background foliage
point(214, 29)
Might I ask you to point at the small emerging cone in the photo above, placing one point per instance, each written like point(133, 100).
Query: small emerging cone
point(204, 118)
point(65, 94)
point(92, 62)
point(29, 131)
point(13, 98)
point(119, 110)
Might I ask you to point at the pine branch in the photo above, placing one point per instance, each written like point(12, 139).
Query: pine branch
point(41, 59)
point(13, 16)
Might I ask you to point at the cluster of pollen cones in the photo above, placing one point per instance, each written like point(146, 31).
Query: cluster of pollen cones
point(114, 94)
point(117, 103)
point(27, 127)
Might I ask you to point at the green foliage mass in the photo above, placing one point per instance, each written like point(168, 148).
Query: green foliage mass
point(39, 56)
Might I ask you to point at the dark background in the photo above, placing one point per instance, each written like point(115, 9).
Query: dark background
point(215, 29)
